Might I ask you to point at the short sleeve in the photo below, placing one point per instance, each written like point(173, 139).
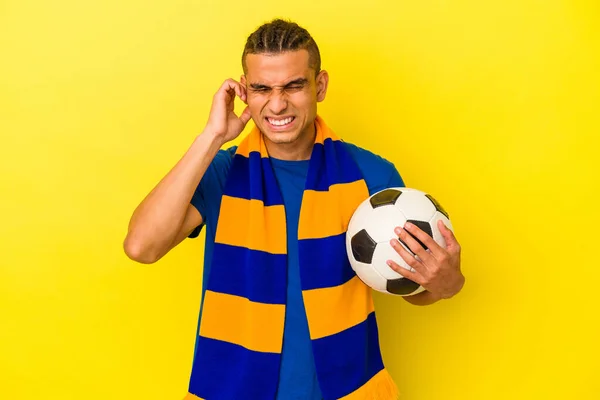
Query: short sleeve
point(210, 189)
point(395, 179)
point(383, 177)
point(378, 172)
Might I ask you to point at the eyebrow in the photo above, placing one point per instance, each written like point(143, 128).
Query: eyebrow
point(299, 81)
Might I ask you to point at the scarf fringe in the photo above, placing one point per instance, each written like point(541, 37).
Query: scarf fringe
point(190, 396)
point(379, 387)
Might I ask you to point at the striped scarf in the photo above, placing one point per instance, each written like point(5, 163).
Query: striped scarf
point(241, 330)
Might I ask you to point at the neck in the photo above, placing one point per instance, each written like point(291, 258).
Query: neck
point(299, 149)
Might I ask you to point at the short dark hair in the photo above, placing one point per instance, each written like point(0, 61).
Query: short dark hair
point(279, 36)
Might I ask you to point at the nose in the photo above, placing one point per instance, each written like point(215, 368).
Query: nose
point(277, 102)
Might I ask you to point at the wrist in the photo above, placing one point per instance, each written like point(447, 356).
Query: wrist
point(459, 285)
point(210, 140)
point(423, 299)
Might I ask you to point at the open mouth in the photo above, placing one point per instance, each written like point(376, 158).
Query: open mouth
point(280, 123)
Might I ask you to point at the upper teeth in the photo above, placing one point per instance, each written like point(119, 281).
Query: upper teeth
point(280, 121)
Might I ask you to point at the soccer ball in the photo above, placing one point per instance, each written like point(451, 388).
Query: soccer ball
point(372, 227)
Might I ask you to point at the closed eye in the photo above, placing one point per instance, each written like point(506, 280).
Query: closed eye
point(260, 89)
point(295, 86)
point(290, 87)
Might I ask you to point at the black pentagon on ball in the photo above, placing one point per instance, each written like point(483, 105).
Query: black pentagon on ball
point(437, 205)
point(401, 286)
point(385, 197)
point(363, 246)
point(425, 227)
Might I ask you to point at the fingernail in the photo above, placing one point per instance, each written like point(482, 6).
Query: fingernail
point(408, 225)
point(398, 230)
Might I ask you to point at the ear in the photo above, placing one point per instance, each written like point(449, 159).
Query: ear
point(243, 80)
point(322, 82)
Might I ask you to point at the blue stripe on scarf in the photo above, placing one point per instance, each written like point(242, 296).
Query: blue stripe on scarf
point(265, 189)
point(230, 274)
point(339, 169)
point(224, 363)
point(325, 262)
point(337, 367)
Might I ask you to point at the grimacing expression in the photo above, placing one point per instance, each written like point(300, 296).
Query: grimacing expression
point(282, 94)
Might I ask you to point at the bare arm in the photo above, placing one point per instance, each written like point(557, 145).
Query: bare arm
point(165, 217)
point(166, 213)
point(424, 298)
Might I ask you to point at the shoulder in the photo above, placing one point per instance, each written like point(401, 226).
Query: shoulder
point(221, 163)
point(365, 158)
point(207, 195)
point(215, 176)
point(225, 156)
point(378, 172)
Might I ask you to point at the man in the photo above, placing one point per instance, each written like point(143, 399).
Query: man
point(283, 316)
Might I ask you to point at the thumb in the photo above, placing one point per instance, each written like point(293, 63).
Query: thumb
point(245, 116)
point(448, 235)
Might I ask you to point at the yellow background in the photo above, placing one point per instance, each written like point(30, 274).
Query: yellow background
point(491, 106)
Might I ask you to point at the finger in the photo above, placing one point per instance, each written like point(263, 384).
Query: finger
point(412, 260)
point(413, 244)
point(245, 116)
point(451, 242)
point(434, 248)
point(229, 87)
point(413, 276)
point(244, 94)
point(235, 86)
point(238, 89)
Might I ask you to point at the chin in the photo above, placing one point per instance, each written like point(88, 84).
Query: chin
point(281, 137)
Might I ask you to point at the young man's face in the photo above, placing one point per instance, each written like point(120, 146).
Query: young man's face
point(282, 93)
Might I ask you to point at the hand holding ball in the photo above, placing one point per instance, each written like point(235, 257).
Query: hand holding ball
point(372, 227)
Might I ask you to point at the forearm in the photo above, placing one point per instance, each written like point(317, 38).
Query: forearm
point(157, 220)
point(426, 297)
point(422, 299)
